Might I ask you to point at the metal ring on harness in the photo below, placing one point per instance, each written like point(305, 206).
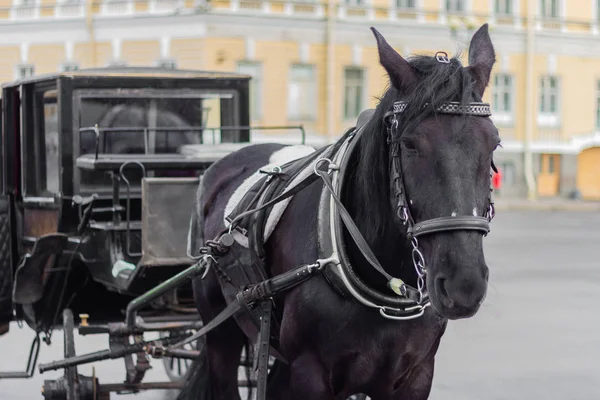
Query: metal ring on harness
point(332, 165)
point(408, 317)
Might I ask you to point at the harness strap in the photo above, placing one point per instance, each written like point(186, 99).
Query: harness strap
point(261, 355)
point(304, 183)
point(396, 284)
point(223, 316)
point(259, 292)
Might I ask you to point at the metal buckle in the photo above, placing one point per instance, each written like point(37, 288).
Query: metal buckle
point(442, 57)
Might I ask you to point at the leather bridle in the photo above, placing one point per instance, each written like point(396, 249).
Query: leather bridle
point(416, 229)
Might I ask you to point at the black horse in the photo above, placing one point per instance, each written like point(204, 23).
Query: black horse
point(416, 182)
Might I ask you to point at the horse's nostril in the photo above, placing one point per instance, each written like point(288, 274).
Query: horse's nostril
point(440, 287)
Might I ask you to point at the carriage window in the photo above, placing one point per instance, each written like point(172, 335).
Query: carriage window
point(41, 154)
point(160, 123)
point(51, 143)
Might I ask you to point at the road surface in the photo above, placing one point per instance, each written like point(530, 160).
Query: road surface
point(537, 335)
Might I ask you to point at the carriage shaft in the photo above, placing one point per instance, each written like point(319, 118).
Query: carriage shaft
point(168, 285)
point(92, 357)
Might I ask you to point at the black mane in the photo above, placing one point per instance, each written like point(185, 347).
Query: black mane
point(438, 83)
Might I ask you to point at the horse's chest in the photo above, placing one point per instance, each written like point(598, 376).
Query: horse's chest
point(384, 355)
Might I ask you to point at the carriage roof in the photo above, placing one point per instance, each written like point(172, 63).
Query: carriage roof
point(131, 73)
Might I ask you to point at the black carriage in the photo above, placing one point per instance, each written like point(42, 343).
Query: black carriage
point(91, 163)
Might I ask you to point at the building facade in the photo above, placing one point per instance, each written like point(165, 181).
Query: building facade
point(316, 64)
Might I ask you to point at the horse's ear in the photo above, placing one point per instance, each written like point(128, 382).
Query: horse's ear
point(401, 73)
point(481, 58)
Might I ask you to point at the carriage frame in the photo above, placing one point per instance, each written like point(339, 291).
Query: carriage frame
point(59, 232)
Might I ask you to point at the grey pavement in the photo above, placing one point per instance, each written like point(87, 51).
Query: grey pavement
point(537, 334)
point(535, 337)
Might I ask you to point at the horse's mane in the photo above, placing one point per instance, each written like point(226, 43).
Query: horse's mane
point(438, 83)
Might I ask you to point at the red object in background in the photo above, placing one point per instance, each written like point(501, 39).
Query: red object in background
point(497, 180)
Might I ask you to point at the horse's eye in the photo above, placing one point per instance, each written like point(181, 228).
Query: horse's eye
point(409, 146)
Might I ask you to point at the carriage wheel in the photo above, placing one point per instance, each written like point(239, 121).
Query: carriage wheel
point(176, 368)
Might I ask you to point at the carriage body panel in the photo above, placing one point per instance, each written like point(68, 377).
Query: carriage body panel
point(70, 137)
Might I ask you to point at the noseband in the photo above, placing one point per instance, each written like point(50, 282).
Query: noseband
point(434, 225)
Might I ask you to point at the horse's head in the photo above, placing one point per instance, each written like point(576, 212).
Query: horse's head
point(442, 177)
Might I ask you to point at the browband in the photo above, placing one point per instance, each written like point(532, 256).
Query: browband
point(451, 107)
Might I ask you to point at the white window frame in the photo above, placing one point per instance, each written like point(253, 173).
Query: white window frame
point(168, 63)
point(504, 117)
point(360, 99)
point(404, 6)
point(562, 11)
point(595, 16)
point(547, 118)
point(69, 8)
point(117, 8)
point(20, 11)
point(292, 7)
point(465, 5)
point(503, 12)
point(366, 5)
point(256, 87)
point(443, 13)
point(416, 9)
point(20, 67)
point(165, 6)
point(69, 66)
point(559, 10)
point(515, 14)
point(312, 97)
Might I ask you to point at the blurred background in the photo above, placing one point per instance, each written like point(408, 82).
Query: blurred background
point(315, 63)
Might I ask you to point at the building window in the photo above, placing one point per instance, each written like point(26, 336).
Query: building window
point(302, 93)
point(25, 9)
point(69, 8)
point(356, 3)
point(164, 5)
point(503, 7)
point(166, 63)
point(69, 66)
point(116, 7)
point(254, 69)
point(549, 8)
point(24, 70)
point(405, 4)
point(507, 173)
point(549, 106)
point(502, 98)
point(353, 92)
point(455, 5)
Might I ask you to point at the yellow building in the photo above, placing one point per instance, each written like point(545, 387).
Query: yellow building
point(316, 64)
